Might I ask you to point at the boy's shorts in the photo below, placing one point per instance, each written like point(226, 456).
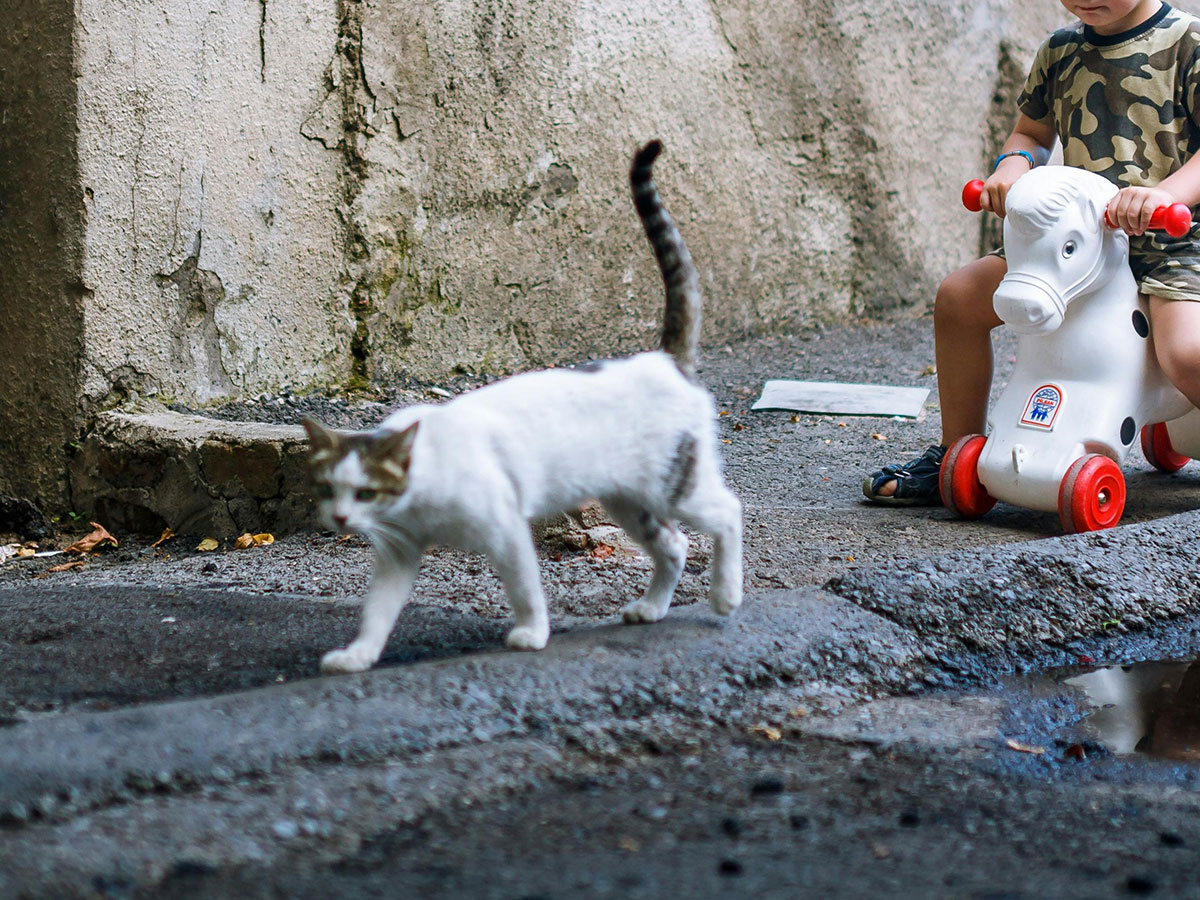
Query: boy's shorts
point(1163, 266)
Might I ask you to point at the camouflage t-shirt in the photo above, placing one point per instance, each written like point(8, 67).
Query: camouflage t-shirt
point(1125, 106)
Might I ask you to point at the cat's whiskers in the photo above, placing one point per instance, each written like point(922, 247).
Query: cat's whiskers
point(391, 538)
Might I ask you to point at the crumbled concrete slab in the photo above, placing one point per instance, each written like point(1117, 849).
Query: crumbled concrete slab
point(1018, 599)
point(142, 472)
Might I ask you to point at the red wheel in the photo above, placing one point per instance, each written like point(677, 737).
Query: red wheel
point(962, 492)
point(1092, 494)
point(1156, 447)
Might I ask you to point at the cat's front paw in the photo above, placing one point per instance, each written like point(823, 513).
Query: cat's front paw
point(346, 662)
point(644, 612)
point(526, 637)
point(724, 602)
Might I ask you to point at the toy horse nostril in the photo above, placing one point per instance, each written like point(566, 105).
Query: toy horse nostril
point(1027, 306)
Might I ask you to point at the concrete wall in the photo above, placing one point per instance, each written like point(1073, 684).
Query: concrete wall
point(209, 200)
point(41, 235)
point(214, 240)
point(815, 153)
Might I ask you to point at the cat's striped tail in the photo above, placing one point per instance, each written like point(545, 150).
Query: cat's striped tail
point(681, 322)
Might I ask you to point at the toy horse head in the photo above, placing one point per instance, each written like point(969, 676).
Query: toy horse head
point(1056, 244)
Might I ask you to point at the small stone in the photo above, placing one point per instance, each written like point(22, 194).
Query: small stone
point(285, 829)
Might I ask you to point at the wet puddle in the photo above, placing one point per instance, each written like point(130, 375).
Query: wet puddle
point(1150, 708)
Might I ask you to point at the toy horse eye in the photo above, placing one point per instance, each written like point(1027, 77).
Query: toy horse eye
point(1068, 249)
point(366, 495)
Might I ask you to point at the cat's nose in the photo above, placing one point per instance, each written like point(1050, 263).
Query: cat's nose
point(339, 521)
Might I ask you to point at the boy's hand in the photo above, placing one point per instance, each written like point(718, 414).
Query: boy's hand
point(1132, 207)
point(995, 189)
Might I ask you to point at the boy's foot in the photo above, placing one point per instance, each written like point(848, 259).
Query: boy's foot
point(913, 484)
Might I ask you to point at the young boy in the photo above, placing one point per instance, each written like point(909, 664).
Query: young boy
point(1119, 90)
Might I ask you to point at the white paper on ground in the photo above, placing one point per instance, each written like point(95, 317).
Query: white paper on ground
point(842, 399)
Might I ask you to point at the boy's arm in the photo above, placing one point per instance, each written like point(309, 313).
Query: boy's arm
point(1035, 138)
point(1132, 207)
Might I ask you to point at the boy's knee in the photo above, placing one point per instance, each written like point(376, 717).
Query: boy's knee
point(964, 298)
point(1179, 356)
point(956, 300)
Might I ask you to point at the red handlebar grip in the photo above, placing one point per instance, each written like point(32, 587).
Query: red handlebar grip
point(972, 190)
point(1175, 220)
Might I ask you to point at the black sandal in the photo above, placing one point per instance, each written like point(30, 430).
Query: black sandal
point(916, 481)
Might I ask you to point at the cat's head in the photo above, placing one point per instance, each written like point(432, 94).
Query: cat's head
point(357, 474)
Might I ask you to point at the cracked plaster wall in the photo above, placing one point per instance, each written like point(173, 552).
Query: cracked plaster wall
point(815, 153)
point(247, 195)
point(214, 234)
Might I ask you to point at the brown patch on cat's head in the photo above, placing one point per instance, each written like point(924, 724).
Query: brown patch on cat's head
point(324, 444)
point(386, 456)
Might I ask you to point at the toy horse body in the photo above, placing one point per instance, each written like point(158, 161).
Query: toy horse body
point(1086, 380)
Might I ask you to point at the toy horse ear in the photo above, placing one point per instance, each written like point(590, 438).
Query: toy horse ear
point(1091, 210)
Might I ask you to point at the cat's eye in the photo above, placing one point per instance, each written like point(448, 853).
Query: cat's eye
point(1068, 249)
point(323, 491)
point(366, 495)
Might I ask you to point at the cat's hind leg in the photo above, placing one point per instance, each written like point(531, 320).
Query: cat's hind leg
point(667, 547)
point(515, 561)
point(390, 587)
point(714, 509)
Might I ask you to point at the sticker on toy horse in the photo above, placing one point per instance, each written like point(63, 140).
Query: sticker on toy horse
point(1043, 406)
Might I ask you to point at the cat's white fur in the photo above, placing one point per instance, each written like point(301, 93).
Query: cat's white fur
point(637, 433)
point(485, 464)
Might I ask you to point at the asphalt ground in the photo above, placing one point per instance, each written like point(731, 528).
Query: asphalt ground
point(164, 726)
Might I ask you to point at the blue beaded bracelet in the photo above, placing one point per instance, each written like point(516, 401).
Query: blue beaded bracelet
point(1028, 156)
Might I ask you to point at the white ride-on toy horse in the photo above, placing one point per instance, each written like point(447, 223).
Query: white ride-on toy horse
point(1086, 379)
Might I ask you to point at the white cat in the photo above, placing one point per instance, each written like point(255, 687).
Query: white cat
point(639, 434)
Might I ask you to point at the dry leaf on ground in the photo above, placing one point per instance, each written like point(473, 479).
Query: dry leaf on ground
point(1024, 748)
point(208, 544)
point(603, 551)
point(74, 564)
point(164, 537)
point(94, 541)
point(253, 540)
point(771, 734)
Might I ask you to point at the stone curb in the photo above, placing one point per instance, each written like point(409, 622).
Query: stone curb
point(142, 472)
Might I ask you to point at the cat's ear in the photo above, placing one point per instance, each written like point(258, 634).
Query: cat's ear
point(397, 446)
point(320, 438)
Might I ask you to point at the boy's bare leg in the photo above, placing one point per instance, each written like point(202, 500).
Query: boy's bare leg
point(1175, 327)
point(963, 319)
